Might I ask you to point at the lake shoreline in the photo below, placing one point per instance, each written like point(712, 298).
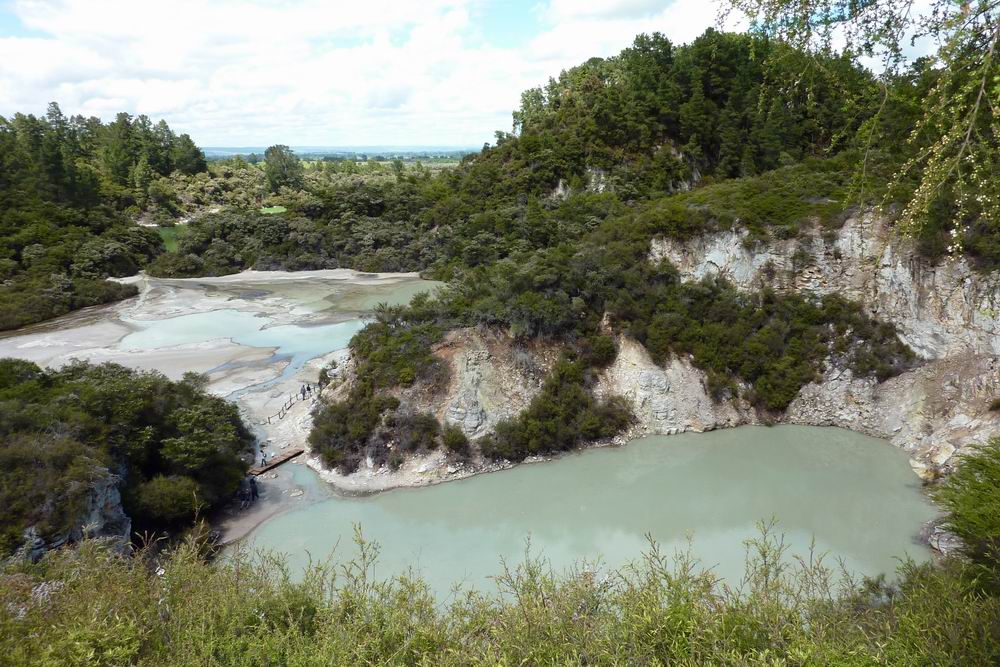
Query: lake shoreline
point(736, 480)
point(254, 376)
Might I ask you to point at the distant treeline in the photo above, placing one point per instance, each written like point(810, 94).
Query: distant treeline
point(255, 157)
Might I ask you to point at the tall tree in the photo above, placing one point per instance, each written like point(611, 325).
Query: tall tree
point(187, 157)
point(951, 151)
point(282, 168)
point(118, 151)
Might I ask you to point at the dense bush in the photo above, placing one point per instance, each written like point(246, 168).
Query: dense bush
point(172, 448)
point(64, 185)
point(414, 431)
point(564, 415)
point(28, 300)
point(393, 350)
point(342, 430)
point(971, 496)
point(91, 607)
point(46, 479)
point(455, 440)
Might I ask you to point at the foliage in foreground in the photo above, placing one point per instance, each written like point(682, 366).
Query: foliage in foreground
point(89, 607)
point(945, 158)
point(171, 448)
point(971, 495)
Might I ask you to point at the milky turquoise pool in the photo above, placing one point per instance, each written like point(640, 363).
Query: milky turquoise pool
point(853, 497)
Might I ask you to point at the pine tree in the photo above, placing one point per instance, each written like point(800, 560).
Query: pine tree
point(118, 151)
point(187, 157)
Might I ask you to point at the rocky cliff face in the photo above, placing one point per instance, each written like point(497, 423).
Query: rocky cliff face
point(491, 379)
point(946, 312)
point(102, 518)
point(940, 309)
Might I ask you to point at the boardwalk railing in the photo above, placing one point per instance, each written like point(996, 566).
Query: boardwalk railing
point(293, 398)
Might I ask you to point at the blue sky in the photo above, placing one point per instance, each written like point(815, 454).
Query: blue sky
point(10, 24)
point(507, 24)
point(231, 72)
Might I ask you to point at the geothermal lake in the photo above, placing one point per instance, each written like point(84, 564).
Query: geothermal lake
point(855, 496)
point(259, 335)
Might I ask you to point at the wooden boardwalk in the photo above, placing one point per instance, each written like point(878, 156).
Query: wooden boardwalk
point(275, 462)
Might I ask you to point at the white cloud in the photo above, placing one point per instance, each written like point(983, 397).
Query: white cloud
point(559, 11)
point(311, 71)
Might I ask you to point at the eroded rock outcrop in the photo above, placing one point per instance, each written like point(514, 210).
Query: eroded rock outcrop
point(939, 309)
point(667, 399)
point(102, 517)
point(490, 379)
point(946, 312)
point(935, 411)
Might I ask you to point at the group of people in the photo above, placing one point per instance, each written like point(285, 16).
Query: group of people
point(248, 492)
point(306, 390)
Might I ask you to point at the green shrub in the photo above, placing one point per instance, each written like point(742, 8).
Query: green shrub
point(564, 415)
point(971, 496)
point(162, 442)
point(598, 351)
point(341, 430)
point(89, 606)
point(455, 440)
point(168, 499)
point(415, 431)
point(44, 481)
point(395, 353)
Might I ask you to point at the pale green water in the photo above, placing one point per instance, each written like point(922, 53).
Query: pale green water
point(244, 328)
point(295, 343)
point(855, 495)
